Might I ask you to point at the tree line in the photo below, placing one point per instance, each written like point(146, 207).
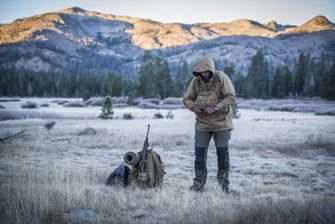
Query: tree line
point(308, 78)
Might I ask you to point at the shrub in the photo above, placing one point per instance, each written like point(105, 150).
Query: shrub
point(49, 125)
point(158, 115)
point(147, 105)
point(61, 102)
point(173, 100)
point(106, 110)
point(119, 100)
point(136, 101)
point(76, 103)
point(10, 100)
point(169, 115)
point(29, 105)
point(153, 100)
point(128, 116)
point(88, 131)
point(95, 101)
point(44, 105)
point(328, 111)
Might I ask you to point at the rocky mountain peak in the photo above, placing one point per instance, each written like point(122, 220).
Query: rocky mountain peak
point(73, 10)
point(319, 21)
point(271, 25)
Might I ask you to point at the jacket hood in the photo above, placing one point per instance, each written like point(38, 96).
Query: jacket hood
point(203, 64)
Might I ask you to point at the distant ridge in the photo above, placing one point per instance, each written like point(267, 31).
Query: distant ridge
point(74, 38)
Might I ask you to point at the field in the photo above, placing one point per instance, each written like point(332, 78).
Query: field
point(282, 165)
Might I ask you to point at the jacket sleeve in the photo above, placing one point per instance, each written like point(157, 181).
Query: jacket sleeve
point(190, 95)
point(228, 92)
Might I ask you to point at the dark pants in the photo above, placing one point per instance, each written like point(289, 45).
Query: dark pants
point(202, 139)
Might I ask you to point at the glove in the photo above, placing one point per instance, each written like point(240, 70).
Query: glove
point(210, 110)
point(196, 110)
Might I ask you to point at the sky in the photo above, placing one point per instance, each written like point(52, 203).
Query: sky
point(293, 12)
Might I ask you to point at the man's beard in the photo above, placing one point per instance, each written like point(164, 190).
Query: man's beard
point(206, 79)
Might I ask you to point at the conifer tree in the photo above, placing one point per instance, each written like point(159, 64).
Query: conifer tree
point(106, 110)
point(257, 78)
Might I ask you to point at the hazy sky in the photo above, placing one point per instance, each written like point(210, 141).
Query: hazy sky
point(294, 12)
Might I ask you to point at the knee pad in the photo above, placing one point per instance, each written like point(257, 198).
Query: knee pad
point(200, 158)
point(223, 157)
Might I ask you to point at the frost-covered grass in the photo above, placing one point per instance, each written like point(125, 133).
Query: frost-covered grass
point(318, 107)
point(282, 164)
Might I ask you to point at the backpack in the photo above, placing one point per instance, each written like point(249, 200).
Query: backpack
point(154, 171)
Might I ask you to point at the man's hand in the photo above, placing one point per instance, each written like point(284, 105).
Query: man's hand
point(209, 110)
point(196, 110)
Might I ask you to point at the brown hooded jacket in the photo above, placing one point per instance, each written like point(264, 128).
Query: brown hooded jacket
point(218, 91)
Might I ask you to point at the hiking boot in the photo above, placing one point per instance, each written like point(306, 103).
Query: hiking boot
point(225, 188)
point(197, 188)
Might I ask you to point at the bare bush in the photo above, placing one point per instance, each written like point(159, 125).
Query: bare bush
point(88, 131)
point(77, 103)
point(158, 115)
point(61, 102)
point(171, 106)
point(44, 105)
point(120, 105)
point(10, 100)
point(95, 101)
point(329, 111)
point(49, 125)
point(128, 116)
point(136, 101)
point(147, 105)
point(29, 105)
point(173, 100)
point(169, 115)
point(319, 107)
point(153, 100)
point(119, 100)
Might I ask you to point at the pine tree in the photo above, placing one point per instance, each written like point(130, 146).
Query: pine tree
point(329, 83)
point(240, 85)
point(277, 90)
point(257, 78)
point(288, 83)
point(300, 74)
point(163, 79)
point(117, 86)
point(85, 95)
point(106, 110)
point(146, 79)
point(182, 79)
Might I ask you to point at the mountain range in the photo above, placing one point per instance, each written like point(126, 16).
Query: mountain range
point(74, 38)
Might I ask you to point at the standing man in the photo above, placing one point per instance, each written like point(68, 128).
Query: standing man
point(210, 96)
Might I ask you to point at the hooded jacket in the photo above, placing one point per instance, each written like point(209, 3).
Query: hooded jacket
point(218, 91)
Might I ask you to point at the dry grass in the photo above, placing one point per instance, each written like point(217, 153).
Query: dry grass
point(43, 196)
point(42, 180)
